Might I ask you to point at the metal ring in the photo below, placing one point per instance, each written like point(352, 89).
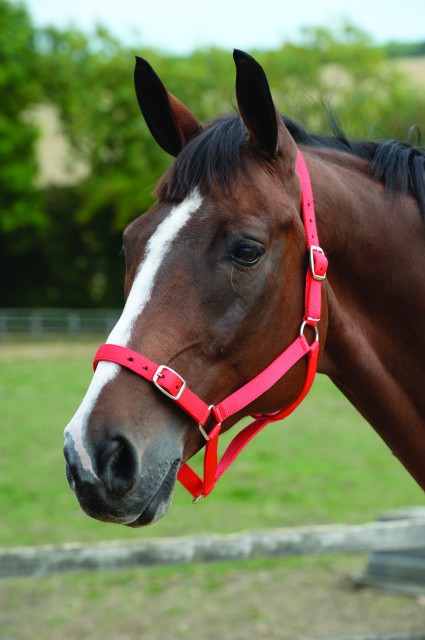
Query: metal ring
point(303, 325)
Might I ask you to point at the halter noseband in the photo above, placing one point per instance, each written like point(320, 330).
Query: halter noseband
point(171, 384)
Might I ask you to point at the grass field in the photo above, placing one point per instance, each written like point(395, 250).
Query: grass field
point(324, 464)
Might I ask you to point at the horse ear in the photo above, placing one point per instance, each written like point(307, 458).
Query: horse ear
point(169, 120)
point(256, 105)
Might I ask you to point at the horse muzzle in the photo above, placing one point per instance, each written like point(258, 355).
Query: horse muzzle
point(123, 486)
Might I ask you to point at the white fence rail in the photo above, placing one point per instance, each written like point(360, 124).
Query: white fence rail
point(39, 323)
point(374, 536)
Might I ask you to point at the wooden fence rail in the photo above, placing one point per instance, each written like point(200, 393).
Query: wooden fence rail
point(374, 536)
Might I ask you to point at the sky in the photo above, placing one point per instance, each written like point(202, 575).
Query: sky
point(179, 26)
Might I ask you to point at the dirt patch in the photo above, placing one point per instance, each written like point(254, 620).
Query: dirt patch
point(414, 68)
point(280, 599)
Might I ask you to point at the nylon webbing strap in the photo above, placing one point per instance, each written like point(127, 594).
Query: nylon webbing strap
point(263, 382)
point(168, 381)
point(318, 260)
point(213, 470)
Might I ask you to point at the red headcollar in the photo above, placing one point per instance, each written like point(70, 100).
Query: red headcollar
point(174, 387)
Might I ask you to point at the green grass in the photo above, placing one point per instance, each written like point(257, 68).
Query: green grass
point(323, 464)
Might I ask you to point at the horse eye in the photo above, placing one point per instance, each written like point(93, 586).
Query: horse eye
point(247, 255)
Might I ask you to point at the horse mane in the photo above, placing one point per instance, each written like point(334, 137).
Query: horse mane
point(217, 154)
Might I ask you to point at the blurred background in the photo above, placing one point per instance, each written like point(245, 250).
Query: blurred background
point(76, 160)
point(76, 165)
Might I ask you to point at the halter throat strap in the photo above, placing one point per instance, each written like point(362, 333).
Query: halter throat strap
point(172, 385)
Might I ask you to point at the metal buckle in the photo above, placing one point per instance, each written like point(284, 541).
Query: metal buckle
point(315, 275)
point(204, 433)
point(201, 428)
point(158, 374)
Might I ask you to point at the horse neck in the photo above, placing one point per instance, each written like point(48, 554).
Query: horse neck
point(375, 343)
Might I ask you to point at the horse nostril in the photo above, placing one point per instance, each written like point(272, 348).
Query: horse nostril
point(118, 465)
point(109, 451)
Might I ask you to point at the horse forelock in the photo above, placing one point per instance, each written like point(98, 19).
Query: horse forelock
point(214, 157)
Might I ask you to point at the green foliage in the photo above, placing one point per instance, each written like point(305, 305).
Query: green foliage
point(345, 73)
point(70, 236)
point(20, 204)
point(405, 49)
point(90, 81)
point(21, 211)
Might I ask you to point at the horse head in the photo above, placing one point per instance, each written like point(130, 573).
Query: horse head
point(214, 288)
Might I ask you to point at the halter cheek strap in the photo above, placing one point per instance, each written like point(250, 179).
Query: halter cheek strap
point(171, 384)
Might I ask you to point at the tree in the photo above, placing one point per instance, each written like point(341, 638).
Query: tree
point(60, 245)
point(89, 79)
point(20, 201)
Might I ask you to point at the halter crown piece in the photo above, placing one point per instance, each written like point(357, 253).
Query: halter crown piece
point(171, 384)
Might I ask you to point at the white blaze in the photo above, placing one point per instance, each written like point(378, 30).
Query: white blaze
point(157, 248)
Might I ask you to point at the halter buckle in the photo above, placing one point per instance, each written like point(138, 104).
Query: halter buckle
point(204, 433)
point(316, 276)
point(158, 374)
point(201, 428)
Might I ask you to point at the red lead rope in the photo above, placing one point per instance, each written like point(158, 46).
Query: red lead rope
point(174, 387)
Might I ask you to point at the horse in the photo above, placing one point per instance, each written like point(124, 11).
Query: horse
point(226, 282)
